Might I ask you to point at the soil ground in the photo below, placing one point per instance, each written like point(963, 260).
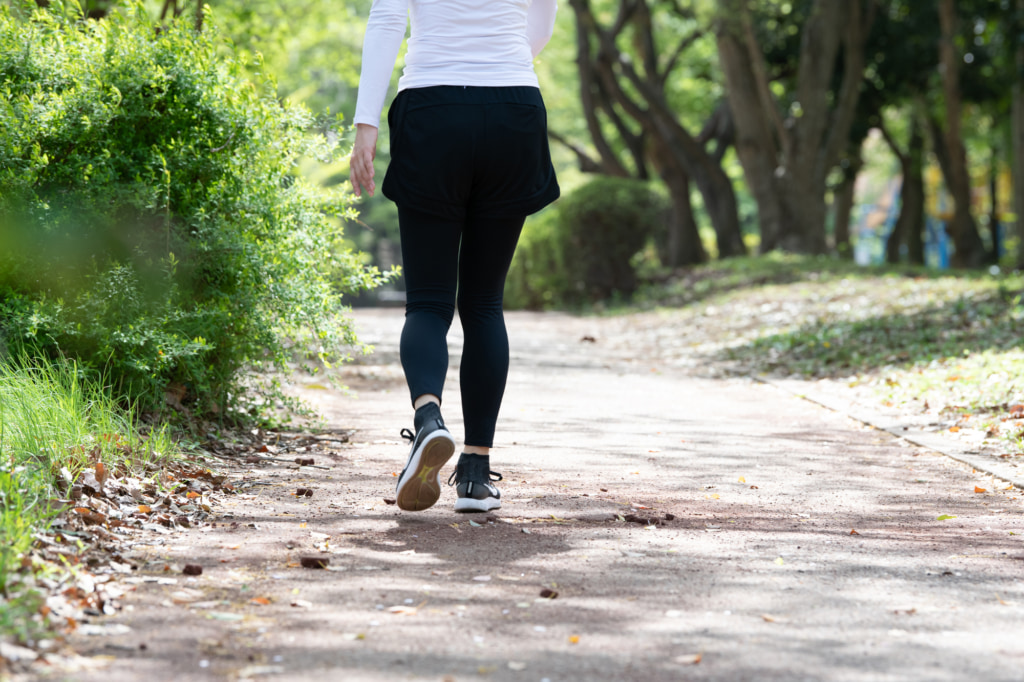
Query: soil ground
point(790, 542)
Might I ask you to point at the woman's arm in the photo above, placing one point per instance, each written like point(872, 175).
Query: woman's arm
point(540, 23)
point(385, 30)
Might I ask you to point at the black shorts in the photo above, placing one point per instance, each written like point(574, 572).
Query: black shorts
point(458, 150)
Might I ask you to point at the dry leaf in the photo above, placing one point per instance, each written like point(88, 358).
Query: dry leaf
point(742, 479)
point(403, 610)
point(768, 619)
point(101, 473)
point(262, 601)
point(853, 532)
point(574, 639)
point(980, 490)
point(954, 429)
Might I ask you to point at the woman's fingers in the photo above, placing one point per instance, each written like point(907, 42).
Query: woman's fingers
point(361, 162)
point(362, 173)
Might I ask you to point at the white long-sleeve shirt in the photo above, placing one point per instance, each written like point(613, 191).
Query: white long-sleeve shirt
point(452, 42)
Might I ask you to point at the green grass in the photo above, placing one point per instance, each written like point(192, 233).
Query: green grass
point(54, 422)
point(952, 339)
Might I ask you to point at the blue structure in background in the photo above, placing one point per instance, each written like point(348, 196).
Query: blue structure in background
point(869, 248)
point(871, 235)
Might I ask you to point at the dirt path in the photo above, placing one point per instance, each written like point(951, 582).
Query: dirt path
point(804, 546)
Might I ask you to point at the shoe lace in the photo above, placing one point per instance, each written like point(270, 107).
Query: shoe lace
point(408, 435)
point(458, 476)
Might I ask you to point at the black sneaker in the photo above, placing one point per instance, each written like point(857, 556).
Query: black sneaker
point(419, 485)
point(472, 480)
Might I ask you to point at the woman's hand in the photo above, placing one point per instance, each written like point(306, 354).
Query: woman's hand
point(361, 161)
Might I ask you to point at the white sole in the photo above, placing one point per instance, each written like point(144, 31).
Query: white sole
point(420, 486)
point(471, 504)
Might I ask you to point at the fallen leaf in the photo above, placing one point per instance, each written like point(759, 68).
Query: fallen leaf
point(853, 532)
point(574, 639)
point(742, 479)
point(145, 508)
point(388, 501)
point(768, 619)
point(192, 495)
point(780, 561)
point(954, 429)
point(403, 610)
point(945, 517)
point(101, 473)
point(604, 490)
point(262, 601)
point(980, 490)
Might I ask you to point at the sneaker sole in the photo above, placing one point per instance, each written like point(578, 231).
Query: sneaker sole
point(465, 505)
point(420, 487)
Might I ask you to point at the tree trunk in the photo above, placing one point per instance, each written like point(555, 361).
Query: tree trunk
point(843, 209)
point(714, 185)
point(1018, 139)
point(970, 250)
point(913, 195)
point(993, 210)
point(646, 103)
point(684, 246)
point(786, 162)
point(909, 227)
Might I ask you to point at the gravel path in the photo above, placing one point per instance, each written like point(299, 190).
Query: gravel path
point(788, 542)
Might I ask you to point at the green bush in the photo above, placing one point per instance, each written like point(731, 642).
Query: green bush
point(588, 246)
point(151, 222)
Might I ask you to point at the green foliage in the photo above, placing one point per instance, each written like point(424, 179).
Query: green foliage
point(151, 220)
point(586, 248)
point(53, 423)
point(537, 278)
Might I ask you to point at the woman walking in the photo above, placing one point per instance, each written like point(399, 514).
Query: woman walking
point(469, 162)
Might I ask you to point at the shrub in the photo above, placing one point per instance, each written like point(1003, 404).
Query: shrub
point(151, 223)
point(586, 247)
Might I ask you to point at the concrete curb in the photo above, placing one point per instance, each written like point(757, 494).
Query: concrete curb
point(910, 433)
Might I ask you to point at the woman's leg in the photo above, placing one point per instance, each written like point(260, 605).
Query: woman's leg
point(487, 248)
point(430, 256)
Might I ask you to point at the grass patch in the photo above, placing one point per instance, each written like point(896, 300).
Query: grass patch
point(953, 340)
point(53, 424)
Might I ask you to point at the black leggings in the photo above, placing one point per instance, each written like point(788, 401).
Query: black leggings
point(474, 254)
